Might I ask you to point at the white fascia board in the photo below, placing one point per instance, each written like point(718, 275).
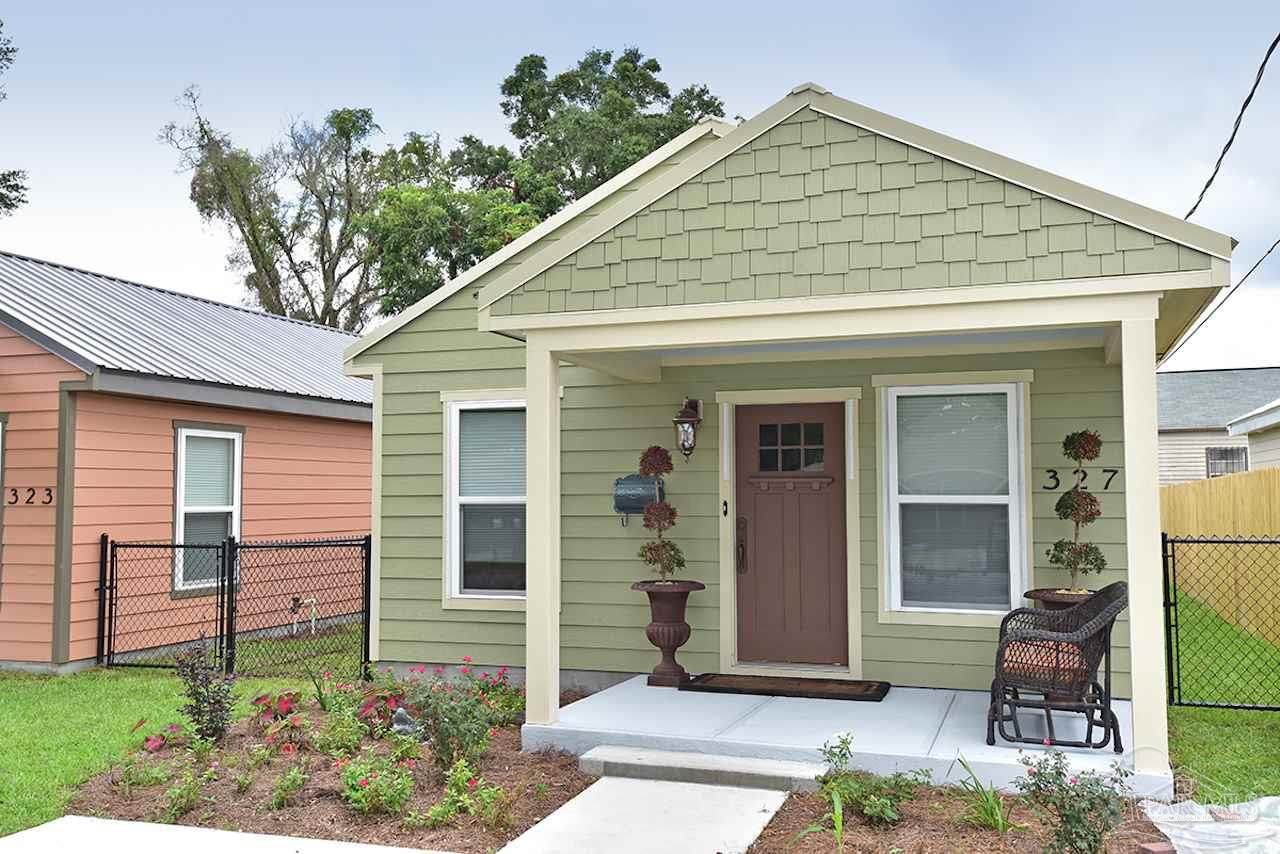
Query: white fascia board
point(1262, 418)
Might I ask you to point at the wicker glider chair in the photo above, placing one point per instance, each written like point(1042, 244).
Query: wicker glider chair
point(1055, 655)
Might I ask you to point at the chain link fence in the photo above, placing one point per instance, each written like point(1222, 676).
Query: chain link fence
point(267, 608)
point(1222, 614)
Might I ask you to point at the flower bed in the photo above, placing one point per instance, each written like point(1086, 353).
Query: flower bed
point(325, 763)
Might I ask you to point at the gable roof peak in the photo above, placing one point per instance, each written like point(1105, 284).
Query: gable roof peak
point(810, 87)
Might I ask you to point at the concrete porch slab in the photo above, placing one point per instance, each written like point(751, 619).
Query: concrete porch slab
point(912, 728)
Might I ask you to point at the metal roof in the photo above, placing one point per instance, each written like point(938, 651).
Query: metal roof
point(98, 321)
point(1207, 400)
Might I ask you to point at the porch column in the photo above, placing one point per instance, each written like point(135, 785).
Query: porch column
point(1142, 530)
point(542, 534)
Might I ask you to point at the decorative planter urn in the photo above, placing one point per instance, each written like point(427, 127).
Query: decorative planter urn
point(668, 630)
point(1053, 599)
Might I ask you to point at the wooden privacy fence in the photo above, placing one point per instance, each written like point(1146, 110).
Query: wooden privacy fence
point(1235, 568)
point(1237, 505)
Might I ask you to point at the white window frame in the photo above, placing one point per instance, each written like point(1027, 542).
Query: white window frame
point(182, 508)
point(1015, 500)
point(452, 551)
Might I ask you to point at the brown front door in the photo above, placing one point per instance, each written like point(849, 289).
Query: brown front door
point(790, 548)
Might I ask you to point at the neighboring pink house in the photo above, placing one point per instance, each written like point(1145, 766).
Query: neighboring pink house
point(151, 415)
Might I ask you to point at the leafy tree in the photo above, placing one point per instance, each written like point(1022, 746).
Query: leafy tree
point(13, 182)
point(293, 209)
point(575, 130)
point(583, 126)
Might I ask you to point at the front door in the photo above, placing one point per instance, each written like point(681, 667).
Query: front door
point(790, 546)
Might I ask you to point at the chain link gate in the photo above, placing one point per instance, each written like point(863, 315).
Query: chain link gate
point(265, 608)
point(1222, 621)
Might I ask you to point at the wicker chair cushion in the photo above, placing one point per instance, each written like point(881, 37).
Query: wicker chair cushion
point(1046, 661)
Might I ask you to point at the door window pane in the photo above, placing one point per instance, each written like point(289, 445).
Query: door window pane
point(955, 556)
point(953, 444)
point(791, 434)
point(493, 547)
point(208, 478)
point(491, 452)
point(768, 459)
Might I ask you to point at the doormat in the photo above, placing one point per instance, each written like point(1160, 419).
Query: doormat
point(789, 686)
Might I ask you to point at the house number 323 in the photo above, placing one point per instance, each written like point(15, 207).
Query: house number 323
point(29, 495)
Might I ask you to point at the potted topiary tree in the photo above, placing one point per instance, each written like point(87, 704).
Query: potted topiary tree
point(668, 598)
point(1080, 507)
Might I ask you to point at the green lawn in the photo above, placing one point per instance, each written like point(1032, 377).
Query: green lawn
point(1233, 755)
point(59, 731)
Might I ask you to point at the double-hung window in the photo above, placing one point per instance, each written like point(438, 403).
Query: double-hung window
point(208, 499)
point(954, 502)
point(485, 515)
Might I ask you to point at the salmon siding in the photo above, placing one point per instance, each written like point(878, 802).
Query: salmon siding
point(29, 378)
point(303, 477)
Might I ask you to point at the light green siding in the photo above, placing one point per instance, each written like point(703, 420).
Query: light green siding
point(816, 206)
point(605, 426)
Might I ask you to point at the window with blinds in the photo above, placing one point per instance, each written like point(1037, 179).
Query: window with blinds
point(954, 460)
point(487, 498)
point(208, 493)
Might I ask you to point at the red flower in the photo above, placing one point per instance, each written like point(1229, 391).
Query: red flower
point(328, 674)
point(174, 728)
point(1073, 781)
point(364, 782)
point(466, 659)
point(493, 732)
point(288, 748)
point(1048, 743)
point(408, 763)
point(439, 670)
point(295, 721)
point(266, 717)
point(472, 783)
point(284, 705)
point(1031, 772)
point(465, 670)
point(153, 743)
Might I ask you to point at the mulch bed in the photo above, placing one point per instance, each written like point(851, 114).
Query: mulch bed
point(540, 783)
point(929, 824)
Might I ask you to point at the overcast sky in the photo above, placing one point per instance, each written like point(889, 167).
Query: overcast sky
point(1133, 98)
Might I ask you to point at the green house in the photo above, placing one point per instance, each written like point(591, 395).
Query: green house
point(888, 330)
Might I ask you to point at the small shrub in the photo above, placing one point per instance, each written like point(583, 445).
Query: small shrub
point(270, 708)
point(1081, 808)
point(286, 788)
point(376, 785)
point(466, 792)
point(377, 707)
point(877, 799)
point(405, 747)
point(505, 702)
point(288, 735)
point(259, 755)
point(983, 805)
point(185, 795)
point(243, 781)
point(837, 751)
point(328, 692)
point(201, 750)
point(135, 774)
point(340, 734)
point(456, 722)
point(210, 694)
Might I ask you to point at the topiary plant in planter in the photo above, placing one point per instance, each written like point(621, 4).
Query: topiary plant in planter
point(1081, 508)
point(668, 598)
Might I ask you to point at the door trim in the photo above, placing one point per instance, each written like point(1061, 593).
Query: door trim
point(727, 401)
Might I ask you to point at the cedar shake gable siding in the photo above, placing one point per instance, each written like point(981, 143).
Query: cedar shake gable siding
point(818, 206)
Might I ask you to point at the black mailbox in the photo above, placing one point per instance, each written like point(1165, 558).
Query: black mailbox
point(633, 492)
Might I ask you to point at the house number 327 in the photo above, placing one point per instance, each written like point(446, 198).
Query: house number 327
point(1055, 480)
point(29, 495)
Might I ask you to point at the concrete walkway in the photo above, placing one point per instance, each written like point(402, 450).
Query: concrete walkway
point(622, 816)
point(74, 833)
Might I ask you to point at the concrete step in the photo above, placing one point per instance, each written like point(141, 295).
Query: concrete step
point(705, 768)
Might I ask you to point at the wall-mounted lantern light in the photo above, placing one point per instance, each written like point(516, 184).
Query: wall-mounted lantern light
point(686, 423)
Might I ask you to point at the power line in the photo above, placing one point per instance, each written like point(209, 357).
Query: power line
point(1223, 301)
point(1236, 127)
